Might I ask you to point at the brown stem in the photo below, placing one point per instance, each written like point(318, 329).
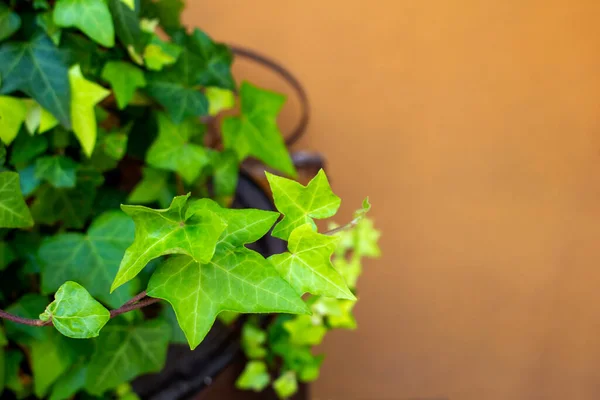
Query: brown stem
point(135, 303)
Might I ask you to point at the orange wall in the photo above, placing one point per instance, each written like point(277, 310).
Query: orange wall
point(473, 125)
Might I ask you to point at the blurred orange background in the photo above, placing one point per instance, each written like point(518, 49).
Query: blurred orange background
point(473, 126)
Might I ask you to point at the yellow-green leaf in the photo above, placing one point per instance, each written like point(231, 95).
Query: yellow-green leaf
point(13, 112)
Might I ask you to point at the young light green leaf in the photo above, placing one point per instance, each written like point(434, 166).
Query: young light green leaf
point(286, 385)
point(10, 22)
point(13, 210)
point(343, 318)
point(153, 187)
point(85, 95)
point(253, 341)
point(255, 132)
point(125, 352)
point(350, 269)
point(37, 69)
point(129, 3)
point(366, 238)
point(124, 78)
point(307, 267)
point(92, 259)
point(236, 279)
point(219, 99)
point(92, 17)
point(305, 330)
point(59, 171)
point(38, 119)
point(75, 313)
point(168, 231)
point(300, 204)
point(158, 54)
point(13, 113)
point(254, 377)
point(174, 151)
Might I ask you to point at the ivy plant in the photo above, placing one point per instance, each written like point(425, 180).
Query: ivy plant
point(117, 232)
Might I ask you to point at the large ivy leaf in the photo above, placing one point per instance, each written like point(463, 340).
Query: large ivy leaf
point(13, 113)
point(124, 78)
point(75, 313)
point(300, 204)
point(125, 352)
point(13, 210)
point(236, 279)
point(10, 22)
point(36, 68)
point(59, 171)
point(91, 260)
point(173, 151)
point(91, 16)
point(69, 383)
point(255, 133)
point(85, 95)
point(168, 231)
point(307, 267)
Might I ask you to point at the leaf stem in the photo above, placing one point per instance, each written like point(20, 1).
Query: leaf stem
point(137, 302)
point(342, 228)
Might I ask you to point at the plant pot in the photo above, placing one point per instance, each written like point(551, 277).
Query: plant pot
point(195, 374)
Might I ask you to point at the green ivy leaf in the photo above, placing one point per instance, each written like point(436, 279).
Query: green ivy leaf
point(59, 171)
point(92, 17)
point(236, 279)
point(300, 204)
point(51, 356)
point(13, 113)
point(10, 22)
point(168, 231)
point(69, 383)
point(36, 68)
point(225, 170)
point(219, 100)
point(153, 187)
point(125, 352)
point(38, 119)
point(7, 255)
point(127, 26)
point(177, 335)
point(124, 78)
point(27, 147)
point(12, 381)
point(70, 206)
point(255, 132)
point(158, 54)
point(286, 385)
point(46, 22)
point(13, 210)
point(350, 270)
point(92, 259)
point(308, 268)
point(253, 341)
point(254, 377)
point(28, 306)
point(173, 150)
point(85, 95)
point(305, 330)
point(343, 318)
point(215, 69)
point(168, 12)
point(75, 313)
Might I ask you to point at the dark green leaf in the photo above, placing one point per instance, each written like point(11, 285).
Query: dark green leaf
point(9, 22)
point(92, 259)
point(29, 182)
point(181, 102)
point(36, 68)
point(125, 352)
point(7, 255)
point(75, 313)
point(27, 147)
point(152, 188)
point(70, 206)
point(46, 22)
point(13, 210)
point(168, 12)
point(215, 69)
point(13, 359)
point(127, 26)
point(69, 383)
point(59, 171)
point(90, 16)
point(255, 133)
